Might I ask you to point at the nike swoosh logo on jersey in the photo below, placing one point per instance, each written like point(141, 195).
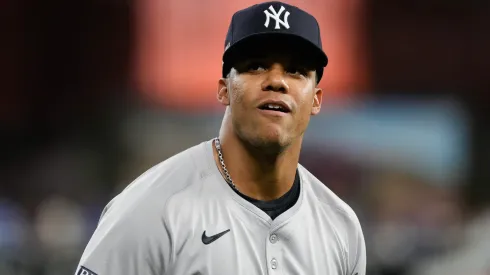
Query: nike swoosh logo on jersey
point(207, 240)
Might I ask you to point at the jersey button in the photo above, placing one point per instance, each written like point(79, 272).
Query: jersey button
point(273, 238)
point(274, 263)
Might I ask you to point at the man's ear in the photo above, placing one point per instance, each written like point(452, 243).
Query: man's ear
point(317, 101)
point(223, 95)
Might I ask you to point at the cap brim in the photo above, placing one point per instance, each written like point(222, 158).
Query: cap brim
point(255, 42)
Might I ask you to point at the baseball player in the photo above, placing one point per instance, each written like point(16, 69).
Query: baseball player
point(240, 203)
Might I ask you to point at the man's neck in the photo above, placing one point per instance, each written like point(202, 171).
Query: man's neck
point(260, 177)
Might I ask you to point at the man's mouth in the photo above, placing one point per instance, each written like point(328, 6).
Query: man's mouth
point(274, 107)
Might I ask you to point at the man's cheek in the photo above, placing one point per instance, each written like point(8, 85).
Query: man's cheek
point(236, 96)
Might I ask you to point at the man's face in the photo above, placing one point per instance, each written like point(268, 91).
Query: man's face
point(271, 97)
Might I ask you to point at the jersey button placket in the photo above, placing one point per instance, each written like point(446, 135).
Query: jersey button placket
point(273, 252)
point(273, 238)
point(274, 263)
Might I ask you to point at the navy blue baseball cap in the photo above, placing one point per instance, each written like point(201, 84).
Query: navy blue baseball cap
point(278, 23)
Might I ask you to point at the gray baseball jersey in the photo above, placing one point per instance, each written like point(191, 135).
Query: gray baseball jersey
point(181, 218)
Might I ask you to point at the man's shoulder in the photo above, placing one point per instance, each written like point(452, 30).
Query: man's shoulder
point(150, 191)
point(328, 199)
point(174, 170)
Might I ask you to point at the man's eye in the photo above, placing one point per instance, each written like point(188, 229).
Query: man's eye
point(255, 67)
point(298, 71)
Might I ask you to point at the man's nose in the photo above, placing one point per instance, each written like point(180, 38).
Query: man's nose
point(276, 80)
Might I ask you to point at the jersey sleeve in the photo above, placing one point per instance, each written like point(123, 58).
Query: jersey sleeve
point(357, 249)
point(133, 242)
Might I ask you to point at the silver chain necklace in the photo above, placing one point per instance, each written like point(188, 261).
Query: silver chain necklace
point(228, 179)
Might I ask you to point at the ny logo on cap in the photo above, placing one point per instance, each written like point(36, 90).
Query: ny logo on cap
point(275, 15)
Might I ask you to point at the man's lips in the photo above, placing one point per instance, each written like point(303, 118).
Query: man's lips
point(273, 113)
point(275, 106)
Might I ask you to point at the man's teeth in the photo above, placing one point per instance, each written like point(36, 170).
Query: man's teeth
point(276, 107)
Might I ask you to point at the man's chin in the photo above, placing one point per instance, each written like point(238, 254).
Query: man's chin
point(269, 142)
point(266, 138)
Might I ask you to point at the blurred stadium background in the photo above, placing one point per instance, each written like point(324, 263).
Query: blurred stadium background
point(96, 92)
